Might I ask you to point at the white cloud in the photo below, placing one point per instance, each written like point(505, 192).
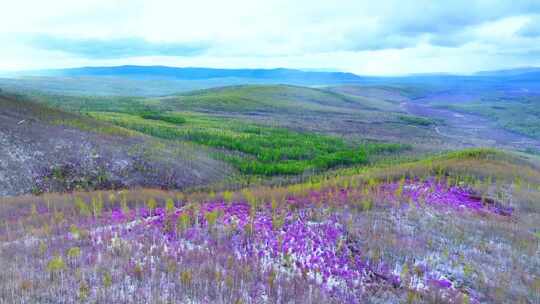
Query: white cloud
point(531, 28)
point(378, 37)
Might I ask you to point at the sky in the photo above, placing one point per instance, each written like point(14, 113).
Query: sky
point(383, 37)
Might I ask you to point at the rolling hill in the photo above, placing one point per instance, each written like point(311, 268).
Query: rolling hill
point(268, 98)
point(306, 109)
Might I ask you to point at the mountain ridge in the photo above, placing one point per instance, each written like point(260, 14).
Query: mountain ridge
point(197, 73)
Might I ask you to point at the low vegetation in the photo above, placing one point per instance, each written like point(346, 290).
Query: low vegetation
point(267, 98)
point(43, 149)
point(430, 231)
point(520, 114)
point(416, 120)
point(166, 117)
point(252, 149)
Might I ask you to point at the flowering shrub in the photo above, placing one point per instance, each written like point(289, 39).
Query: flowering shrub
point(405, 241)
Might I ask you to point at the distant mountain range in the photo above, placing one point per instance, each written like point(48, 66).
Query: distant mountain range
point(193, 73)
point(305, 76)
point(135, 80)
point(511, 72)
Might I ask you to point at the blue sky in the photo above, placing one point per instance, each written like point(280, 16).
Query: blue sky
point(384, 37)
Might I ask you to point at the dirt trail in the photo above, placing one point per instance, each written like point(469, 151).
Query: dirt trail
point(468, 129)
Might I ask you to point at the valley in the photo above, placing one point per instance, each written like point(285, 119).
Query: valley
point(467, 129)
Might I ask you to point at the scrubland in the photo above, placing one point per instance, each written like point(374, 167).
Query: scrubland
point(455, 228)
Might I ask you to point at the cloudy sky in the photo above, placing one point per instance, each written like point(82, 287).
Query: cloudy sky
point(383, 37)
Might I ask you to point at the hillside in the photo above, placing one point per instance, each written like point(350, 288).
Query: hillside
point(44, 149)
point(308, 109)
point(429, 231)
point(268, 98)
point(304, 109)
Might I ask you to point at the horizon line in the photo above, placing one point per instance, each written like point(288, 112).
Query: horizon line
point(306, 70)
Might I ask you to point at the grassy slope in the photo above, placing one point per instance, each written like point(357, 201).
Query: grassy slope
point(268, 98)
point(245, 98)
point(298, 108)
point(305, 110)
point(384, 98)
point(309, 109)
point(46, 149)
point(253, 149)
